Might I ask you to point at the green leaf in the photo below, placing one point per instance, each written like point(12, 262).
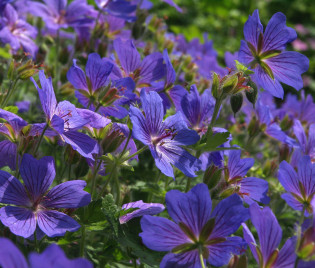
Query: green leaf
point(242, 68)
point(5, 52)
point(214, 141)
point(81, 169)
point(131, 242)
point(12, 109)
point(91, 214)
point(111, 211)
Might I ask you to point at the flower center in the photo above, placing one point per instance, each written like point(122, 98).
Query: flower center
point(166, 134)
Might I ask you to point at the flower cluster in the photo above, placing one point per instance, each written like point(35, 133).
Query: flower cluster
point(105, 117)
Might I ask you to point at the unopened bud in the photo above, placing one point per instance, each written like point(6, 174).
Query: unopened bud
point(252, 92)
point(27, 74)
point(227, 192)
point(253, 127)
point(230, 84)
point(236, 102)
point(216, 86)
point(286, 123)
point(110, 97)
point(306, 250)
point(212, 176)
point(112, 139)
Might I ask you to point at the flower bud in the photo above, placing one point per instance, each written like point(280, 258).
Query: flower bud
point(253, 127)
point(216, 92)
point(286, 123)
point(238, 262)
point(112, 139)
point(252, 92)
point(230, 84)
point(212, 176)
point(306, 250)
point(236, 102)
point(110, 97)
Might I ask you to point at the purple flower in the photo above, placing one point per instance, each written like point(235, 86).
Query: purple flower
point(300, 185)
point(164, 138)
point(16, 32)
point(33, 205)
point(90, 84)
point(302, 110)
point(306, 144)
point(197, 109)
point(64, 119)
point(3, 3)
point(196, 229)
point(11, 129)
point(267, 123)
point(118, 8)
point(269, 233)
point(95, 77)
point(140, 209)
point(265, 53)
point(23, 106)
point(143, 72)
point(170, 93)
point(249, 188)
point(57, 14)
point(53, 256)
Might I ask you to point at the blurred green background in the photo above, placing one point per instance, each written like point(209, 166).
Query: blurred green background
point(223, 20)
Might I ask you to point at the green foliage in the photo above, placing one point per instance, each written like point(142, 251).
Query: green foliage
point(215, 141)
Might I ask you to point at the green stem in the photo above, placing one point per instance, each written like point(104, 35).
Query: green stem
point(40, 139)
point(136, 153)
point(98, 106)
point(125, 147)
point(82, 244)
point(69, 171)
point(150, 196)
point(94, 176)
point(188, 184)
point(299, 235)
point(117, 185)
point(10, 92)
point(108, 180)
point(215, 114)
point(35, 240)
point(201, 260)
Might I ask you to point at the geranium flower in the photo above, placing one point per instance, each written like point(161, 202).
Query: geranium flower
point(306, 143)
point(53, 256)
point(57, 14)
point(265, 53)
point(34, 205)
point(11, 129)
point(64, 119)
point(90, 83)
point(140, 209)
point(164, 138)
point(249, 188)
point(269, 233)
point(17, 32)
point(196, 230)
point(143, 72)
point(300, 185)
point(198, 109)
